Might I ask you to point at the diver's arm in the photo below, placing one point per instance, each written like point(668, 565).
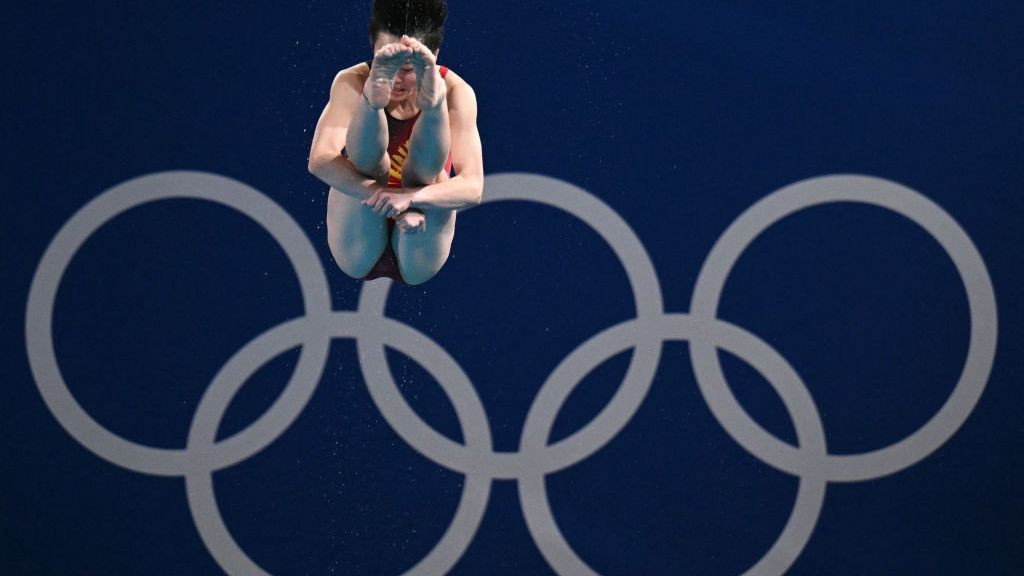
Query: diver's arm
point(465, 189)
point(325, 159)
point(341, 175)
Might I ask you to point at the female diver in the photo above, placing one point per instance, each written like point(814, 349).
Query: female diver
point(386, 144)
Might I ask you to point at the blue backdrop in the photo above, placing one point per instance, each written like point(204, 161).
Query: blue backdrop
point(678, 117)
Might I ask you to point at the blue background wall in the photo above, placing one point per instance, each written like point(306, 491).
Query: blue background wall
point(679, 117)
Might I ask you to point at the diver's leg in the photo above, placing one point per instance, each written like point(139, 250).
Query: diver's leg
point(429, 145)
point(421, 254)
point(356, 236)
point(430, 142)
point(366, 143)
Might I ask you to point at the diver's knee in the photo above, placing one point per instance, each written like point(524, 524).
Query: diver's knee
point(353, 267)
point(417, 270)
point(414, 278)
point(356, 259)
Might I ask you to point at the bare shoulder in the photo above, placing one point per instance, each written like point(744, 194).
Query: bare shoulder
point(354, 75)
point(460, 93)
point(451, 80)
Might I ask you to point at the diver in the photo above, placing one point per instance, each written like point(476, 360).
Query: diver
point(386, 143)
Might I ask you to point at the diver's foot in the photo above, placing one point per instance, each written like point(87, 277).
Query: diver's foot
point(430, 87)
point(386, 62)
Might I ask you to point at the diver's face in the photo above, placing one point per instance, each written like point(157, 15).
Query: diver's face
point(405, 83)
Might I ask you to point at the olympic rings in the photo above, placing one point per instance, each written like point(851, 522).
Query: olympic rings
point(536, 457)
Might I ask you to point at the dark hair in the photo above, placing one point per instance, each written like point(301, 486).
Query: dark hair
point(422, 19)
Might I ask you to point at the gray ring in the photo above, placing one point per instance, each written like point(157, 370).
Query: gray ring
point(980, 354)
point(505, 465)
point(787, 384)
point(130, 194)
point(202, 435)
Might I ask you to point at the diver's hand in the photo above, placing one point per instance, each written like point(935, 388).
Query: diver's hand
point(389, 202)
point(431, 89)
point(411, 221)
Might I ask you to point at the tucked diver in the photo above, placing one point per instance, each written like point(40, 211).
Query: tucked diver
point(387, 142)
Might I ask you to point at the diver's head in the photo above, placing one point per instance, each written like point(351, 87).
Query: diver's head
point(420, 19)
